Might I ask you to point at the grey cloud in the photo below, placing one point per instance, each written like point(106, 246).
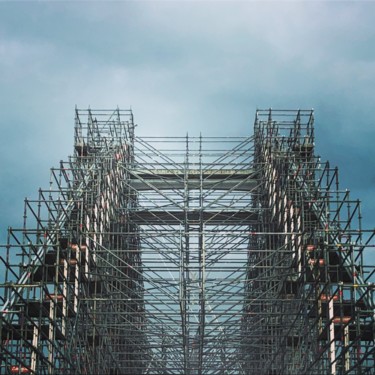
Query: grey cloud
point(183, 67)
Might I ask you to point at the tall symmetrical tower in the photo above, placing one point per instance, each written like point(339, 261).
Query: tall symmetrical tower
point(310, 299)
point(189, 255)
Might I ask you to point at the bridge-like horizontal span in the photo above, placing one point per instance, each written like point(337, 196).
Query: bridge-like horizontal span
point(171, 179)
point(208, 217)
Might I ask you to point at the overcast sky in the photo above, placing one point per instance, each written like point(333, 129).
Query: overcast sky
point(183, 66)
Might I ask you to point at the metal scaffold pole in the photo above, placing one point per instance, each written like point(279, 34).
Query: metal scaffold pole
point(189, 255)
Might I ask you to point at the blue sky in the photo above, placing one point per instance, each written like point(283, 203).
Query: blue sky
point(183, 66)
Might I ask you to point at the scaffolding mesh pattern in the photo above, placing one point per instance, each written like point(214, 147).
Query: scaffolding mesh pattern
point(189, 255)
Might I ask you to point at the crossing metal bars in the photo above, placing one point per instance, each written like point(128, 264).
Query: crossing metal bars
point(189, 255)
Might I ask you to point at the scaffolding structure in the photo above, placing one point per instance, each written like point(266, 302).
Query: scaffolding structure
point(189, 255)
point(310, 297)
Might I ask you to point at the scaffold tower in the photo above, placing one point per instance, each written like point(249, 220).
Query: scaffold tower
point(189, 255)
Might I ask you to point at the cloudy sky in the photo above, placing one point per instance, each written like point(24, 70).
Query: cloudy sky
point(183, 66)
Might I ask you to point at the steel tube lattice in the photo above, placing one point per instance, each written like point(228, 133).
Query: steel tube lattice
point(189, 255)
